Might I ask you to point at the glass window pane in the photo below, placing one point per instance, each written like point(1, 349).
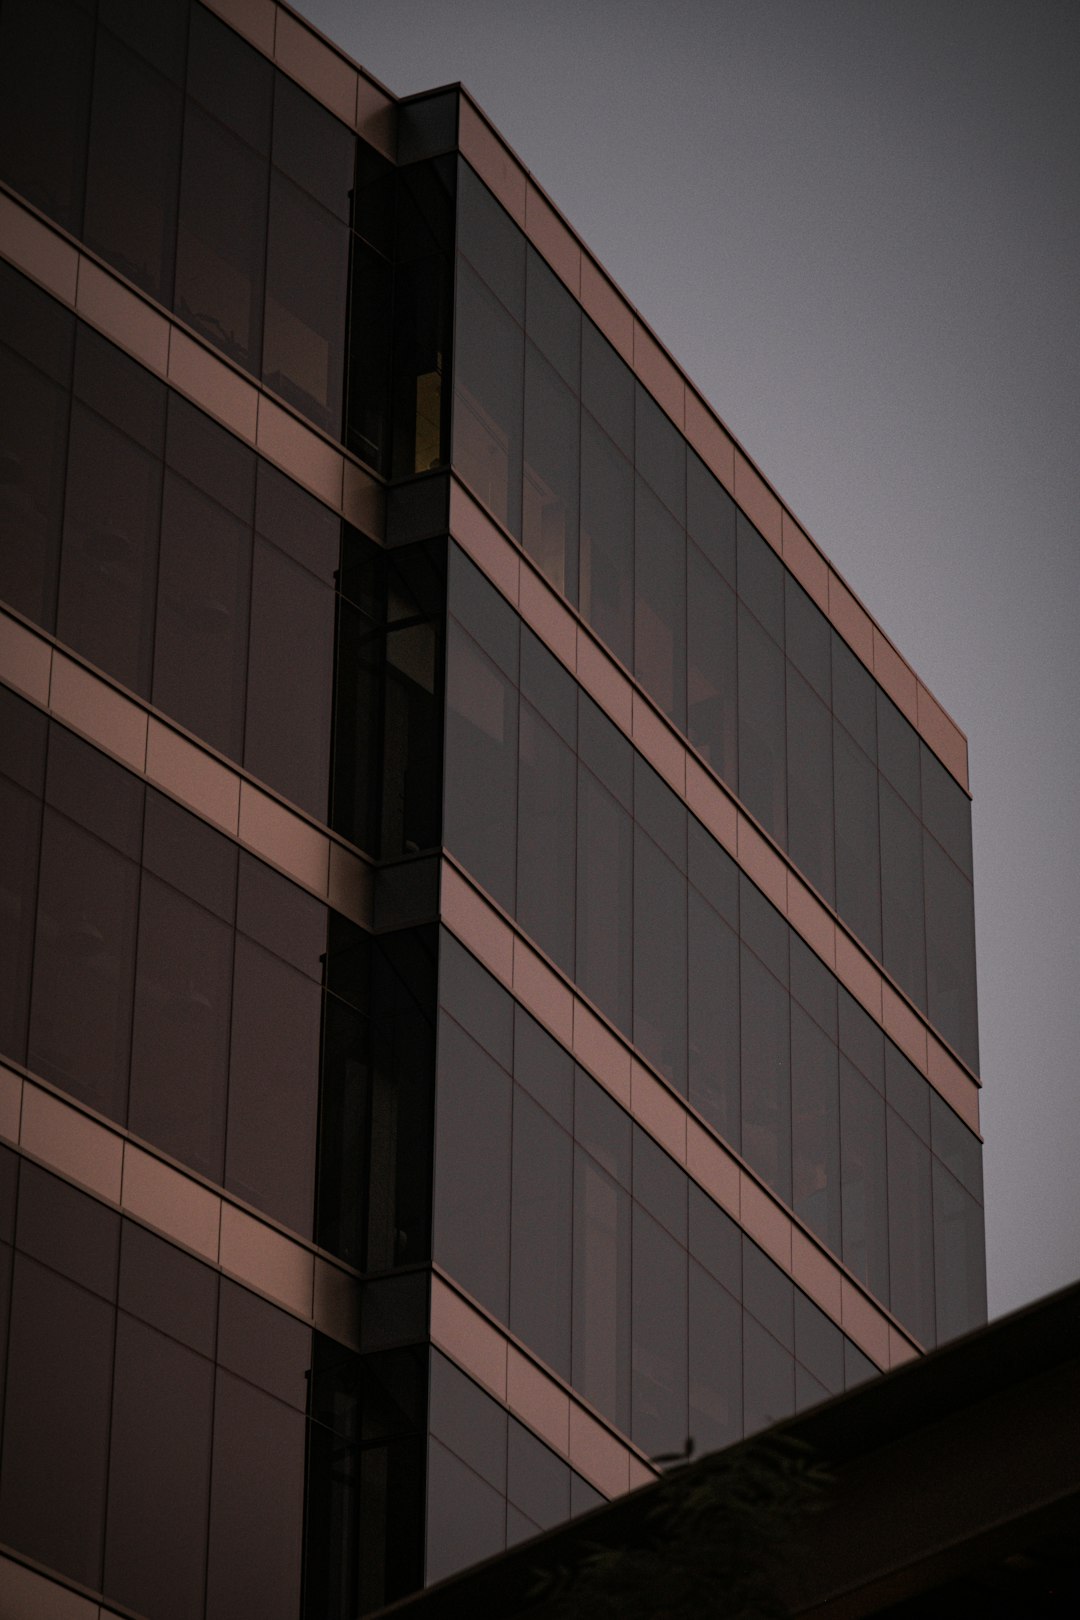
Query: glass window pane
point(298, 524)
point(715, 1241)
point(263, 1345)
point(858, 880)
point(230, 79)
point(547, 782)
point(20, 816)
point(710, 516)
point(812, 985)
point(907, 1091)
point(94, 791)
point(604, 749)
point(133, 167)
point(287, 731)
point(313, 147)
point(863, 1183)
point(257, 1514)
point(607, 541)
point(815, 1129)
point(273, 1087)
point(769, 1384)
point(46, 62)
point(603, 1128)
point(480, 812)
point(471, 1217)
point(477, 1001)
point(467, 1421)
point(810, 784)
point(911, 1231)
point(162, 1285)
point(903, 947)
point(659, 1349)
point(898, 751)
point(180, 1042)
point(766, 1079)
point(56, 1424)
point(854, 696)
point(950, 952)
point(768, 1293)
point(67, 1230)
point(861, 1040)
point(660, 604)
point(716, 1364)
point(763, 929)
point(491, 241)
point(660, 454)
point(158, 33)
point(713, 872)
point(109, 570)
point(660, 1185)
point(201, 644)
point(84, 954)
point(307, 258)
point(281, 916)
point(819, 1344)
point(607, 388)
point(543, 1068)
point(762, 751)
point(946, 810)
point(956, 1146)
point(604, 901)
point(488, 402)
point(660, 960)
point(537, 1481)
point(711, 696)
point(540, 1228)
point(959, 1257)
point(466, 1518)
point(33, 455)
point(484, 613)
point(761, 578)
point(550, 496)
point(809, 638)
point(221, 239)
point(659, 812)
point(601, 1325)
point(713, 994)
point(159, 1474)
point(553, 319)
point(549, 687)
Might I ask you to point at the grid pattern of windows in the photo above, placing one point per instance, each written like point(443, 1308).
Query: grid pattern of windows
point(550, 808)
point(158, 973)
point(162, 549)
point(597, 1250)
point(154, 1428)
point(579, 463)
point(207, 177)
point(491, 1482)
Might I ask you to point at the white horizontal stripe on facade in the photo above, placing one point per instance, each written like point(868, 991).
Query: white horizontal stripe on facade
point(176, 763)
point(566, 635)
point(133, 1177)
point(481, 1347)
point(163, 344)
point(545, 992)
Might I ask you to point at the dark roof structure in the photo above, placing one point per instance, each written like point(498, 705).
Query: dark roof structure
point(949, 1487)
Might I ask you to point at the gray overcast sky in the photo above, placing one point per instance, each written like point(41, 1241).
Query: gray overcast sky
point(856, 223)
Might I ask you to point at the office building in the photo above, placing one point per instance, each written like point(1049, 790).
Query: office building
point(489, 970)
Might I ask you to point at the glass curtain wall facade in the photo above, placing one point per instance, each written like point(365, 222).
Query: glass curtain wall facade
point(269, 1119)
